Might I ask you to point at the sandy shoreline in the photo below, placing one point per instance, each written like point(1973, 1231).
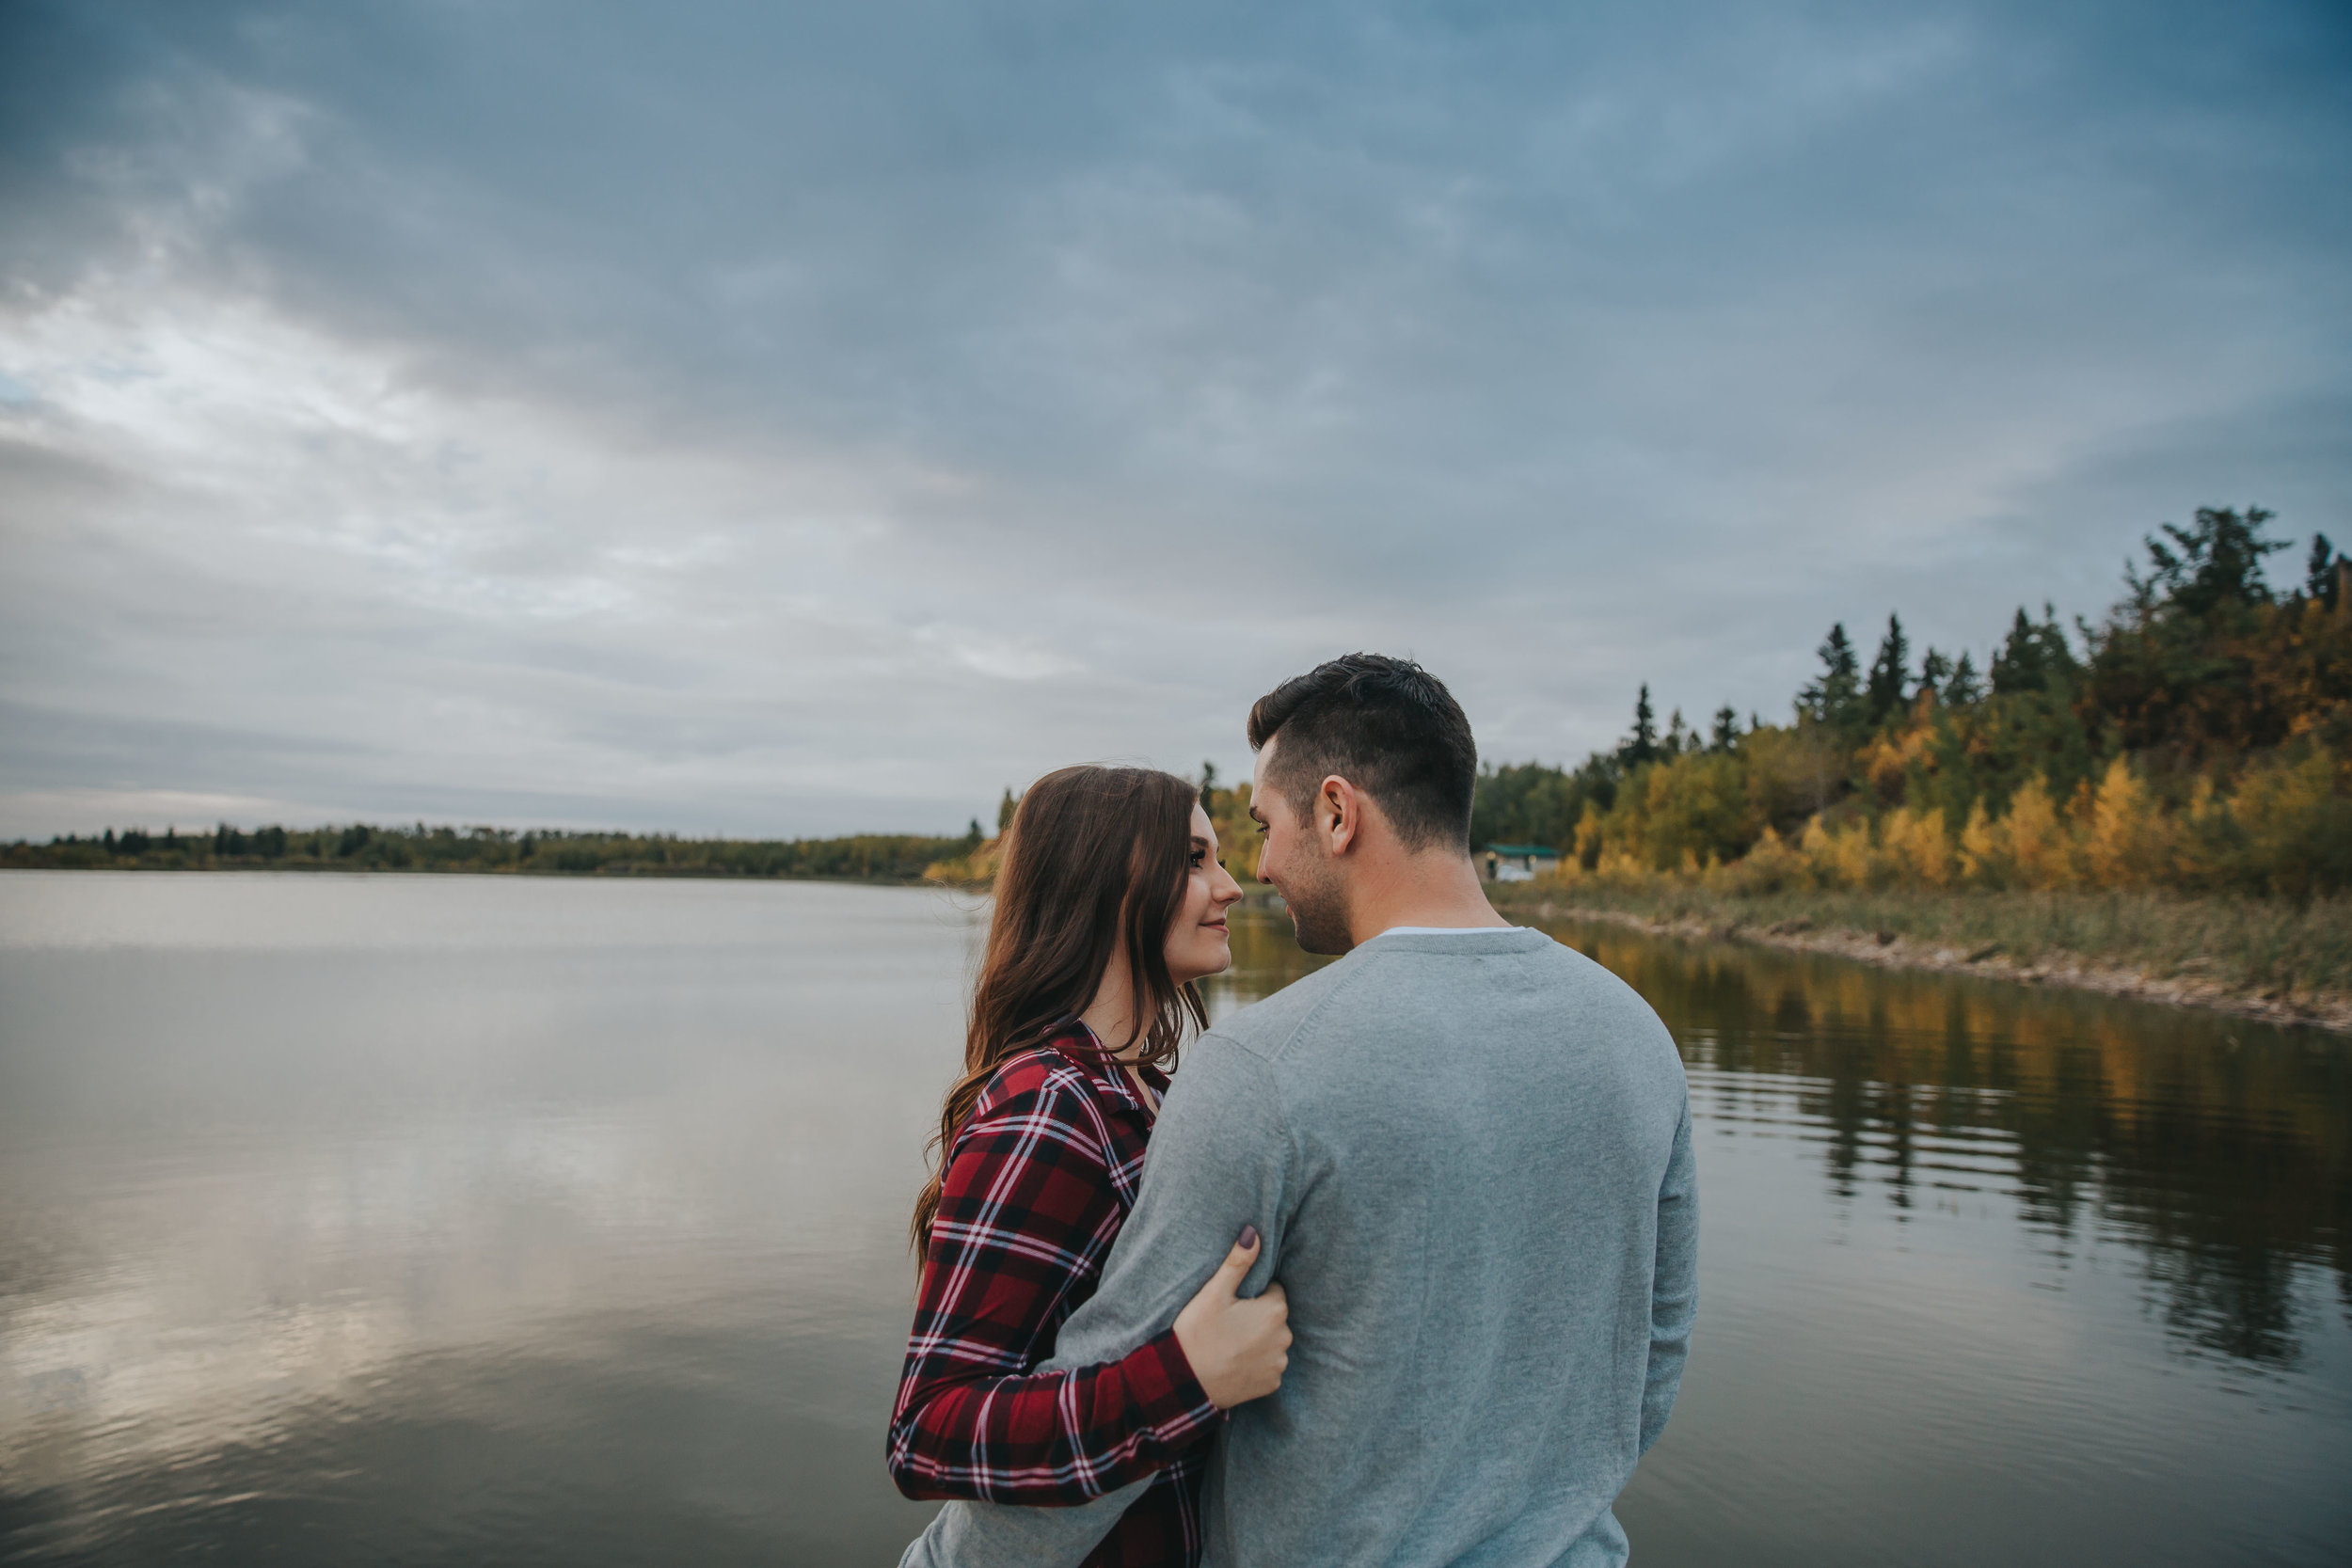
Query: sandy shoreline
point(1889, 951)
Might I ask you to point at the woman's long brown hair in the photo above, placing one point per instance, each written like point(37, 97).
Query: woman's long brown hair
point(1095, 863)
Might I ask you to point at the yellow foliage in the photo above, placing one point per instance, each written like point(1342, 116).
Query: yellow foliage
point(1917, 848)
point(1237, 836)
point(1843, 857)
point(2297, 822)
point(2034, 840)
point(2283, 826)
point(2126, 843)
point(977, 869)
point(1887, 762)
point(1980, 852)
point(1770, 866)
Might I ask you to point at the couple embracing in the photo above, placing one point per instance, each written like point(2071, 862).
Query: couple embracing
point(1408, 1277)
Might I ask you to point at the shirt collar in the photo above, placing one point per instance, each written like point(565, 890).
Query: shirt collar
point(1108, 1082)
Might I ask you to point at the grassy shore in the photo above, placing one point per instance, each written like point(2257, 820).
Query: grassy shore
point(2270, 959)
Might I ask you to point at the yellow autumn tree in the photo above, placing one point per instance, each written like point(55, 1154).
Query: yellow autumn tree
point(1983, 857)
point(2126, 843)
point(2038, 848)
point(1915, 848)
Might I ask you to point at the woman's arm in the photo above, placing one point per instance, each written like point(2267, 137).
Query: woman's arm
point(1026, 1208)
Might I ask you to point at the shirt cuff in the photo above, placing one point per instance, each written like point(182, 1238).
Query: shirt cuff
point(1165, 1392)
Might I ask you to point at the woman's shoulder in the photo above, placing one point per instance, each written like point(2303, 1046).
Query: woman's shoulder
point(1043, 1078)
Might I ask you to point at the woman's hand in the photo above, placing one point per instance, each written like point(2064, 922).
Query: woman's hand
point(1238, 1349)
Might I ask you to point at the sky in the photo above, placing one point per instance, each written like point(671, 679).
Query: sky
point(777, 420)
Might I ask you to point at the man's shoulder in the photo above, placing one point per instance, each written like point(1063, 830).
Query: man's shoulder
point(1402, 975)
point(1262, 1028)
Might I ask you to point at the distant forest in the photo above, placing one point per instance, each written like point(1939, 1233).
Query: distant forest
point(2197, 736)
point(361, 847)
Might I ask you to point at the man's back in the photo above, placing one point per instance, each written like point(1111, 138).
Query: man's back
point(1481, 1125)
point(1469, 1153)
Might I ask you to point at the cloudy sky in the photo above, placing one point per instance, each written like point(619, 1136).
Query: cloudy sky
point(798, 420)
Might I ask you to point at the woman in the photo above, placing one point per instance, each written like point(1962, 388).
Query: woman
point(1110, 903)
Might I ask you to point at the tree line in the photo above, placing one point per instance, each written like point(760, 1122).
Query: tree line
point(365, 846)
point(2198, 736)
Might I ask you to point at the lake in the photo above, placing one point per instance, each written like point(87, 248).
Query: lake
point(425, 1219)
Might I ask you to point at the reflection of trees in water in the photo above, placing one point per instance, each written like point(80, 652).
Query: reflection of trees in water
point(2217, 1148)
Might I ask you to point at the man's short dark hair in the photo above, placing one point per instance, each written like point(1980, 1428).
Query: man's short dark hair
point(1386, 725)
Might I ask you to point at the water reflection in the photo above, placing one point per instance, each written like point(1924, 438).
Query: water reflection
point(524, 1221)
point(2217, 1148)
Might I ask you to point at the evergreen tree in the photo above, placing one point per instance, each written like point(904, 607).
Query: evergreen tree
point(2319, 574)
point(1964, 690)
point(1208, 784)
point(1642, 745)
point(1678, 738)
point(1882, 697)
point(1835, 698)
point(1005, 809)
point(2174, 666)
point(2035, 655)
point(1726, 732)
point(1934, 670)
point(2214, 562)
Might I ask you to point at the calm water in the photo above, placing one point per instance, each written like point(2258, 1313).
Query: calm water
point(411, 1220)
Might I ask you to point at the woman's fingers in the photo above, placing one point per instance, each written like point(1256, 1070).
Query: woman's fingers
point(1235, 1268)
point(1238, 1349)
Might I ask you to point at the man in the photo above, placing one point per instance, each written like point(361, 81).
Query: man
point(1468, 1150)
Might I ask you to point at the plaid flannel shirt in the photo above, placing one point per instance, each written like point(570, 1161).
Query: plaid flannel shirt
point(1037, 1184)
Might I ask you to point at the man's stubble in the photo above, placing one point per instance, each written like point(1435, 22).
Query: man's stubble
point(1318, 905)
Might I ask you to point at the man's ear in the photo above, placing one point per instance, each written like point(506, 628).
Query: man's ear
point(1339, 813)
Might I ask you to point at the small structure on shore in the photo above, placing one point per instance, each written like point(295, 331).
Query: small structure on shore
point(1519, 862)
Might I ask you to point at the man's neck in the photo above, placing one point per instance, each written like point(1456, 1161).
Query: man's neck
point(1435, 889)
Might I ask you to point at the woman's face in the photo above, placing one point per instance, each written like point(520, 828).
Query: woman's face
point(1198, 943)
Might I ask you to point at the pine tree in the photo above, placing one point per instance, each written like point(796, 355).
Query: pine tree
point(1005, 808)
point(1208, 784)
point(1882, 697)
point(2034, 657)
point(1964, 687)
point(2215, 562)
point(1726, 732)
point(2319, 574)
point(1934, 670)
point(1642, 745)
point(1835, 698)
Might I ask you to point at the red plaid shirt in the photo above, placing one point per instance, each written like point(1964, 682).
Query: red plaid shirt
point(1038, 1183)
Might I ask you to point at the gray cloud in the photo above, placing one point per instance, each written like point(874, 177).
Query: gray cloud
point(728, 418)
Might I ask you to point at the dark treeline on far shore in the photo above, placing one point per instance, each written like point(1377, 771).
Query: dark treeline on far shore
point(361, 847)
point(2198, 738)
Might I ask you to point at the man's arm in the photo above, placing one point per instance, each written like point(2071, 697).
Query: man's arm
point(1219, 1159)
point(1674, 1300)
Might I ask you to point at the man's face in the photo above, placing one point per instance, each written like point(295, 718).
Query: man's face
point(1297, 860)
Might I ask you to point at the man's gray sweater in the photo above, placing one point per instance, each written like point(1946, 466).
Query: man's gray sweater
point(1469, 1153)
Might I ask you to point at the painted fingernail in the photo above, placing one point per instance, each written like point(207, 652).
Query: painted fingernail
point(1248, 1237)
